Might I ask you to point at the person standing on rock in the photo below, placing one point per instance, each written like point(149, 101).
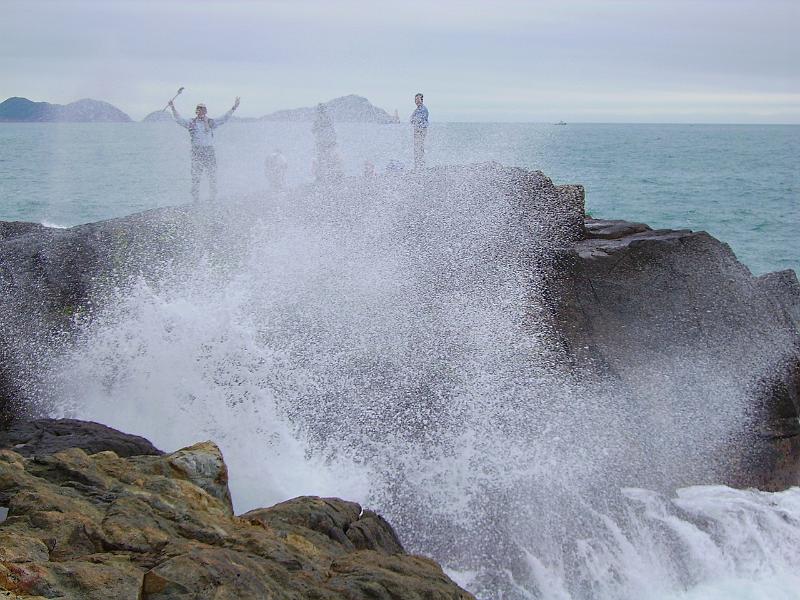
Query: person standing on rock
point(327, 165)
point(419, 121)
point(275, 169)
point(201, 131)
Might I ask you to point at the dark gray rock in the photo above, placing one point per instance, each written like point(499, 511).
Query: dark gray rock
point(603, 243)
point(628, 299)
point(612, 230)
point(10, 229)
point(40, 437)
point(12, 403)
point(785, 288)
point(49, 279)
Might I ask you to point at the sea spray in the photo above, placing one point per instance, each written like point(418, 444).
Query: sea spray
point(389, 341)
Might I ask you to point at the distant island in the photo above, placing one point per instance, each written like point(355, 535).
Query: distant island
point(22, 110)
point(352, 108)
point(345, 109)
point(158, 116)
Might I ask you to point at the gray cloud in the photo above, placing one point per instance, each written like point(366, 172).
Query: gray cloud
point(705, 60)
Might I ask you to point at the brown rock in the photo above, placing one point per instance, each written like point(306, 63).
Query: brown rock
point(161, 527)
point(230, 574)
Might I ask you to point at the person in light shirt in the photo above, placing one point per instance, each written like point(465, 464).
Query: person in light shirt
point(201, 131)
point(419, 121)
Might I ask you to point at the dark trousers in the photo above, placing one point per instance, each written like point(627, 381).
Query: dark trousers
point(419, 146)
point(204, 159)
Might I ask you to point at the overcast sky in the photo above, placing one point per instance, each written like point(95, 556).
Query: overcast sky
point(729, 61)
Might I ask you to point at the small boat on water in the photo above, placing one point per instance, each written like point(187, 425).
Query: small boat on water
point(561, 123)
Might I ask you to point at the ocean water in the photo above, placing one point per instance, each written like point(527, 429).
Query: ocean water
point(741, 183)
point(327, 357)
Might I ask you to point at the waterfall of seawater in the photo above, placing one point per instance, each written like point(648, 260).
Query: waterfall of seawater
point(388, 344)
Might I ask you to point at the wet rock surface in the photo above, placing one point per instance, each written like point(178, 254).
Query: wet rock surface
point(39, 437)
point(10, 229)
point(161, 527)
point(629, 300)
point(604, 229)
point(53, 279)
point(785, 288)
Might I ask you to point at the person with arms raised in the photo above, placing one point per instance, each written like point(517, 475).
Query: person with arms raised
point(201, 131)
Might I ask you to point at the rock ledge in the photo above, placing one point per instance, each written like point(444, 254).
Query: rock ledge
point(98, 526)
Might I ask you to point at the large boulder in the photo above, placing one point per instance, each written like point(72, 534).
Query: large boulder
point(49, 279)
point(161, 527)
point(628, 299)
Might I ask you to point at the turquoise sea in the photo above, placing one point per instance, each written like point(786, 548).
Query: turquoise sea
point(739, 182)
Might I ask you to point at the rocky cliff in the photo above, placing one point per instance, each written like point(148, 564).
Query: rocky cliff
point(106, 515)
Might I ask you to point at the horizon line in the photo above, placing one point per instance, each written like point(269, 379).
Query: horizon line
point(517, 122)
point(140, 121)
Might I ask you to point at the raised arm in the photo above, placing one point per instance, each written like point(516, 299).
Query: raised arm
point(178, 119)
point(221, 120)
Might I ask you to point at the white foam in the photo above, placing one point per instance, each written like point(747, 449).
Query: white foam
point(388, 353)
point(54, 225)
